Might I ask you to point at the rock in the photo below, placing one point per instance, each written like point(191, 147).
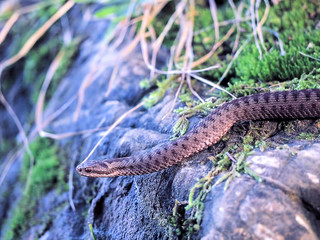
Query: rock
point(284, 206)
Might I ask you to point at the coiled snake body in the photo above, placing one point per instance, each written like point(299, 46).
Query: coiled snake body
point(266, 106)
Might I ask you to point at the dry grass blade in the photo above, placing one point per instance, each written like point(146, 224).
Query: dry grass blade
point(8, 165)
point(38, 34)
point(201, 79)
point(180, 7)
point(142, 34)
point(14, 17)
point(22, 133)
point(89, 79)
point(153, 38)
point(112, 78)
point(61, 109)
point(213, 9)
point(254, 27)
point(40, 103)
point(171, 72)
point(232, 61)
point(306, 55)
point(70, 183)
point(6, 28)
point(259, 29)
point(59, 136)
point(182, 40)
point(264, 18)
point(188, 57)
point(123, 26)
point(17, 122)
point(214, 48)
point(277, 35)
point(149, 14)
point(237, 13)
point(116, 123)
point(174, 100)
point(157, 44)
point(265, 15)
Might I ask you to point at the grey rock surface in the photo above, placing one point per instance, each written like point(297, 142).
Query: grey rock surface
point(284, 206)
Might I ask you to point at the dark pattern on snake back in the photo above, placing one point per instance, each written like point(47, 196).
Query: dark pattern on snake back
point(266, 106)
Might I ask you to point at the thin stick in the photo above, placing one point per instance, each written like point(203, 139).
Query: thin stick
point(17, 122)
point(157, 44)
point(259, 29)
point(254, 28)
point(89, 79)
point(40, 102)
point(23, 135)
point(125, 24)
point(237, 14)
point(276, 34)
point(116, 123)
point(58, 136)
point(112, 79)
point(171, 72)
point(214, 48)
point(232, 61)
point(7, 166)
point(306, 55)
point(70, 183)
point(213, 9)
point(211, 84)
point(188, 57)
point(174, 100)
point(6, 28)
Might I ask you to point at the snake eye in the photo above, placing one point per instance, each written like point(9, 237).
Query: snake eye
point(88, 170)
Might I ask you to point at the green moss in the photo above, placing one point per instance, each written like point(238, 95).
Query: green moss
point(294, 21)
point(273, 66)
point(306, 136)
point(44, 176)
point(91, 231)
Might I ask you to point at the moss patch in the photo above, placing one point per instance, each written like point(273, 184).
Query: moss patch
point(44, 176)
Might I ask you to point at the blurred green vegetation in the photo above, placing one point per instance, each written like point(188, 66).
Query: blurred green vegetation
point(47, 174)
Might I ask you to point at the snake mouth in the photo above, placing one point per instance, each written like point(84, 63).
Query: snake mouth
point(94, 168)
point(85, 169)
point(80, 169)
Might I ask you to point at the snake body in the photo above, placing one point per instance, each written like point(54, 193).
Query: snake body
point(266, 106)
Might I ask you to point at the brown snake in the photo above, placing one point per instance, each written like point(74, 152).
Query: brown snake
point(266, 106)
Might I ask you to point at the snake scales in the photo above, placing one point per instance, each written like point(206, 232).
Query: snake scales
point(266, 106)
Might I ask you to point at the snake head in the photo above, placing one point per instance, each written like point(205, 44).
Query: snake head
point(104, 168)
point(93, 168)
